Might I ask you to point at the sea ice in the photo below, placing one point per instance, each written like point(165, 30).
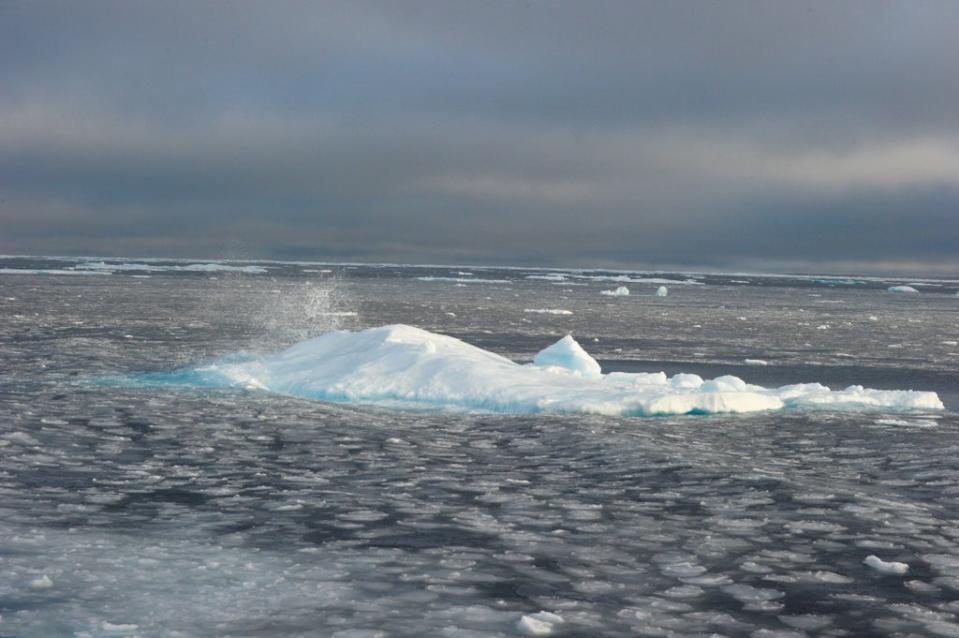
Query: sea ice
point(901, 289)
point(884, 567)
point(403, 366)
point(539, 624)
point(620, 291)
point(43, 582)
point(549, 277)
point(662, 291)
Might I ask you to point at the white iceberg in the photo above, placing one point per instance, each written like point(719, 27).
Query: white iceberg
point(403, 366)
point(621, 291)
point(901, 289)
point(662, 291)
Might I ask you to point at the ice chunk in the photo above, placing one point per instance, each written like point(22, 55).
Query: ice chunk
point(548, 311)
point(43, 582)
point(403, 366)
point(539, 624)
point(620, 291)
point(568, 355)
point(884, 567)
point(901, 289)
point(549, 277)
point(120, 628)
point(755, 362)
point(662, 291)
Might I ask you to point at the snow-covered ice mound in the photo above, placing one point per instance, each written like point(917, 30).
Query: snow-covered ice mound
point(566, 354)
point(404, 366)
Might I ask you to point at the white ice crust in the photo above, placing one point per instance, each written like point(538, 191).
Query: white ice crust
point(400, 365)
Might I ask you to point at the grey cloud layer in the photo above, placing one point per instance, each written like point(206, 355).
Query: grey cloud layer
point(562, 133)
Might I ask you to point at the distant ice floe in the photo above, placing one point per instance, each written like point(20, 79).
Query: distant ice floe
point(101, 266)
point(406, 367)
point(550, 277)
point(662, 291)
point(641, 280)
point(47, 271)
point(460, 280)
point(548, 311)
point(621, 291)
point(901, 289)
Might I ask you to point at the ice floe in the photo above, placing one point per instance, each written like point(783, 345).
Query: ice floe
point(620, 291)
point(403, 366)
point(885, 567)
point(460, 280)
point(47, 271)
point(662, 291)
point(539, 624)
point(548, 311)
point(101, 266)
point(901, 289)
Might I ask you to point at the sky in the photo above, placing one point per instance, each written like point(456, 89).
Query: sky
point(784, 136)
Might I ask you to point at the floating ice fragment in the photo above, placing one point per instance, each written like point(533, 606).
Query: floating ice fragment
point(539, 624)
point(620, 291)
point(460, 280)
point(119, 628)
point(901, 289)
point(662, 291)
point(550, 277)
point(749, 594)
point(21, 438)
point(806, 622)
point(884, 567)
point(43, 582)
point(755, 362)
point(548, 311)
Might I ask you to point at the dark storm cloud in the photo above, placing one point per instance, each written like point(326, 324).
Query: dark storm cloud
point(555, 133)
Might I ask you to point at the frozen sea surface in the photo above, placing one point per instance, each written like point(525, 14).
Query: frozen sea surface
point(141, 511)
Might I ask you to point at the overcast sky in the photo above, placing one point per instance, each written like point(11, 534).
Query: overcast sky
point(775, 135)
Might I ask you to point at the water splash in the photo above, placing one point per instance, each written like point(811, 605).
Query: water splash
point(301, 310)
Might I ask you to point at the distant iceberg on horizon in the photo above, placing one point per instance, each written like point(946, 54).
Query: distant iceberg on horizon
point(401, 366)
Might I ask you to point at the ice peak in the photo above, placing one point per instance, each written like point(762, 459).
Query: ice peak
point(569, 355)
